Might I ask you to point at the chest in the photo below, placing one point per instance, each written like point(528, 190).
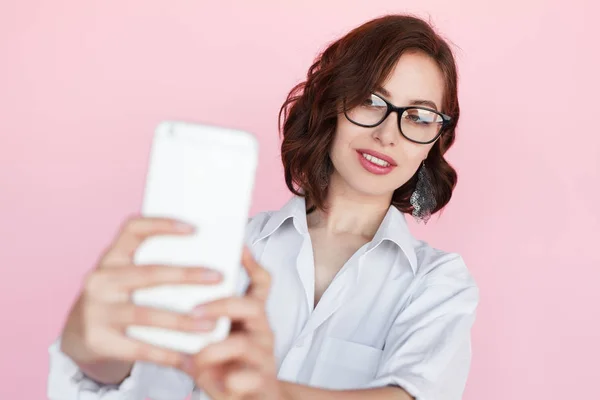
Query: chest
point(338, 343)
point(330, 254)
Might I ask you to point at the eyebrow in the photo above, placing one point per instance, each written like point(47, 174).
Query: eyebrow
point(416, 102)
point(426, 103)
point(383, 91)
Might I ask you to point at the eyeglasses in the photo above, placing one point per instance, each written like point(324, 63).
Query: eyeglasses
point(417, 124)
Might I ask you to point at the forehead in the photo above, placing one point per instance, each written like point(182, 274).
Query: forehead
point(416, 76)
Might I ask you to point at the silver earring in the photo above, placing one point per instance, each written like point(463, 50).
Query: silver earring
point(326, 174)
point(423, 198)
point(324, 180)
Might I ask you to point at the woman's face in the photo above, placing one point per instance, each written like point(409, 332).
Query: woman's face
point(376, 161)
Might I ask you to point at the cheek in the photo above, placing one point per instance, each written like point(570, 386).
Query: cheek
point(412, 155)
point(344, 136)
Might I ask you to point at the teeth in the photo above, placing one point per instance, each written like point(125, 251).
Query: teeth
point(376, 160)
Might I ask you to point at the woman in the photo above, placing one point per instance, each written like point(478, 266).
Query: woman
point(352, 306)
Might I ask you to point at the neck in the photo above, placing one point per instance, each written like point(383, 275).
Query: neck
point(349, 211)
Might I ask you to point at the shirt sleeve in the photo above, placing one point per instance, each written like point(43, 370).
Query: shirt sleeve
point(253, 228)
point(428, 349)
point(67, 382)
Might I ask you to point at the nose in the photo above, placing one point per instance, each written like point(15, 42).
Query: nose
point(387, 133)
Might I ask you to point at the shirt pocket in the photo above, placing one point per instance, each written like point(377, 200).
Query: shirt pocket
point(345, 365)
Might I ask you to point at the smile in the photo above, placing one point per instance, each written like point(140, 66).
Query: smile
point(376, 160)
point(375, 163)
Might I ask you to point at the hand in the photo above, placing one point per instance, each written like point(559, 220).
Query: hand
point(94, 334)
point(243, 365)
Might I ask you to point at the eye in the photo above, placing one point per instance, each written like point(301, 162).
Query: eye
point(422, 117)
point(414, 118)
point(374, 101)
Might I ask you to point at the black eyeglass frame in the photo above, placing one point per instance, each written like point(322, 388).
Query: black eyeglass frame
point(400, 110)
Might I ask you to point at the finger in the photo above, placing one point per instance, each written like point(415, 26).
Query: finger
point(211, 381)
point(119, 347)
point(145, 352)
point(116, 285)
point(236, 348)
point(138, 229)
point(143, 276)
point(260, 279)
point(246, 310)
point(244, 382)
point(130, 314)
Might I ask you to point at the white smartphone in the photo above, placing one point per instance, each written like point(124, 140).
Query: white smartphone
point(203, 175)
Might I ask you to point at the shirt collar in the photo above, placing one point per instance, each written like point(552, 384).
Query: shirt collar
point(295, 208)
point(393, 228)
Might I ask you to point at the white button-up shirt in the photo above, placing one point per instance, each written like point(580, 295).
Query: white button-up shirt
point(399, 312)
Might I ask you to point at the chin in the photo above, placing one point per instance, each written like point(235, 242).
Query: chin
point(374, 191)
point(367, 186)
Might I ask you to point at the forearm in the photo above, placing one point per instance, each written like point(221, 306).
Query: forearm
point(292, 391)
point(107, 372)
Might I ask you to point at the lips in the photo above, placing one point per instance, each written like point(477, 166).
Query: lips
point(378, 155)
point(375, 163)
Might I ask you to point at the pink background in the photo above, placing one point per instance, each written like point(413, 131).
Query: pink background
point(82, 85)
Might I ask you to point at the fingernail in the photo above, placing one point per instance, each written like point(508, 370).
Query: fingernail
point(211, 275)
point(183, 227)
point(205, 325)
point(198, 311)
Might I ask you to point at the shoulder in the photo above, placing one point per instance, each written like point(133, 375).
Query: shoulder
point(256, 223)
point(435, 267)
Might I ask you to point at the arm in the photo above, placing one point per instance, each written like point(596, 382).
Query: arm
point(94, 358)
point(66, 381)
point(108, 372)
point(292, 391)
point(426, 354)
point(427, 351)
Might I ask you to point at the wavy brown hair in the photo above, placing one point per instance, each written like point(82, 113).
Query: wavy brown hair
point(351, 68)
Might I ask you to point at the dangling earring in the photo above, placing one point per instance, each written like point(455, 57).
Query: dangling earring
point(423, 198)
point(326, 174)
